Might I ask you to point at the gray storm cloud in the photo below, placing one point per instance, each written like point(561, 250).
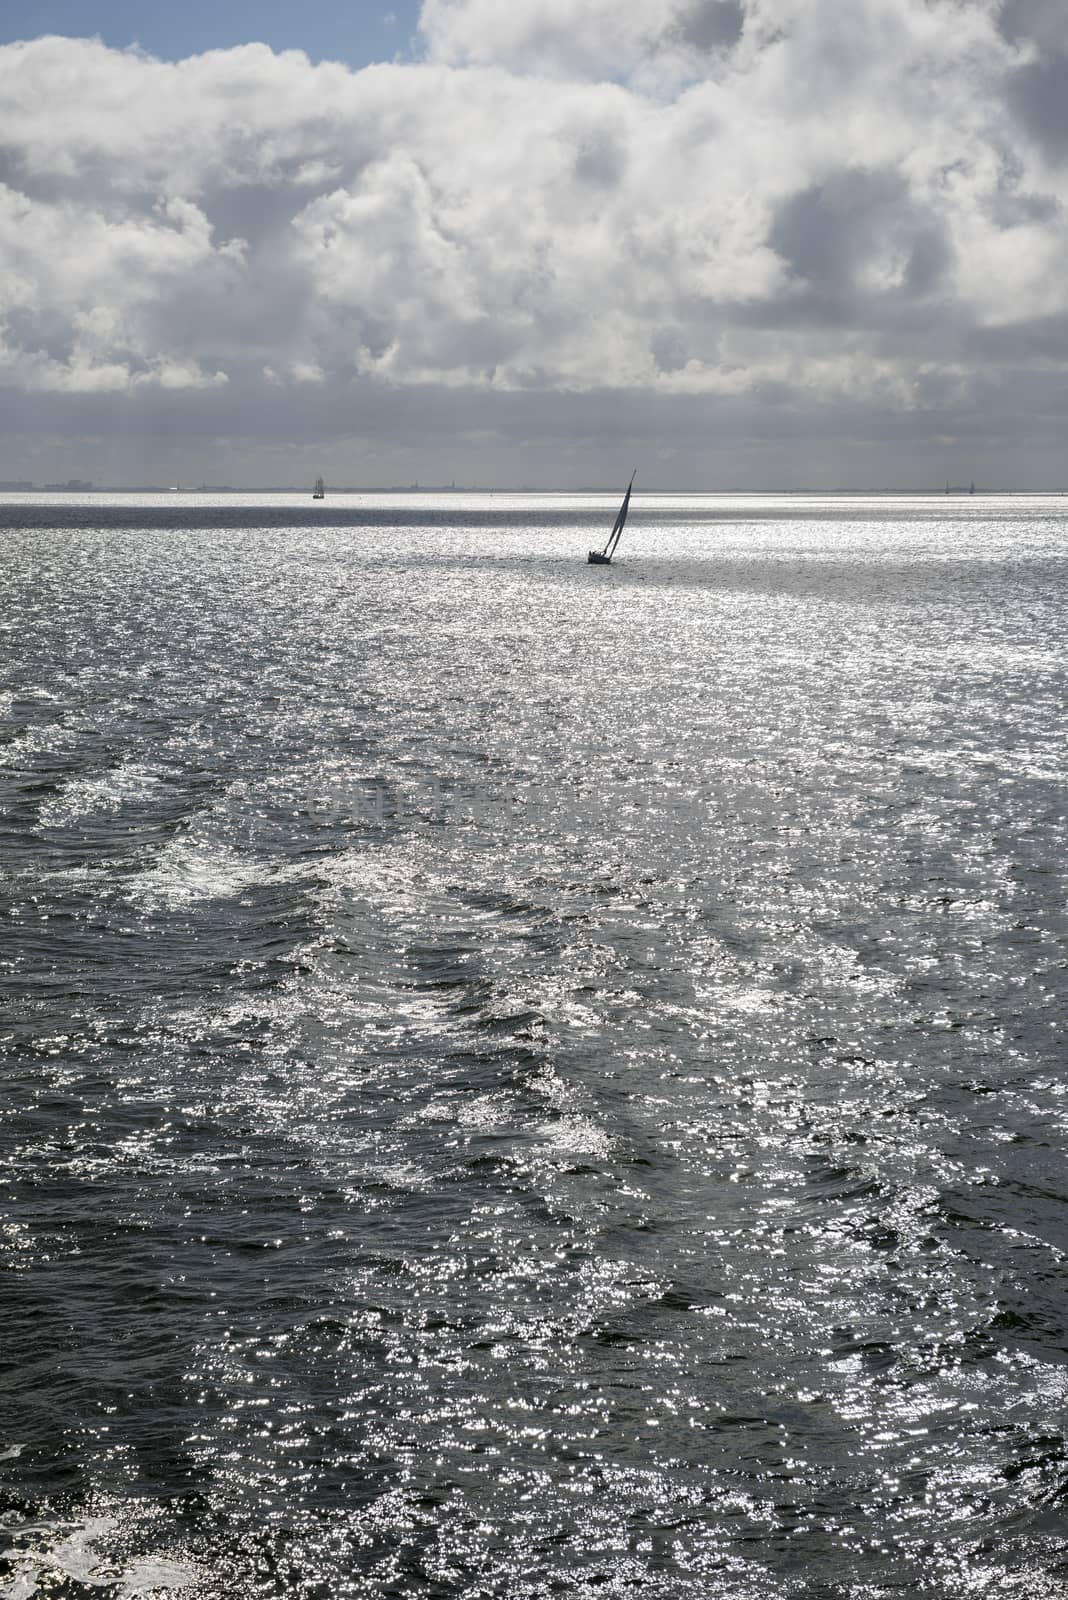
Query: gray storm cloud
point(739, 198)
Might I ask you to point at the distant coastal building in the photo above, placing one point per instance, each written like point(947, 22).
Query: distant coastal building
point(15, 485)
point(78, 485)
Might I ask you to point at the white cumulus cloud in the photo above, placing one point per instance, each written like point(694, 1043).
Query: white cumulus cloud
point(788, 201)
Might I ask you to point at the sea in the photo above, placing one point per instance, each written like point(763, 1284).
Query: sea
point(525, 1079)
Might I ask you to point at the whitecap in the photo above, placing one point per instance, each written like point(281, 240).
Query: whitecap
point(106, 791)
point(575, 1135)
point(69, 1552)
point(402, 1175)
point(153, 1575)
point(40, 738)
point(187, 871)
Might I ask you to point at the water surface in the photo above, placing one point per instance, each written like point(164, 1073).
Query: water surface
point(524, 1079)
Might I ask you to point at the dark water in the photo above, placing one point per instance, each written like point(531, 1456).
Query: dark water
point(531, 1080)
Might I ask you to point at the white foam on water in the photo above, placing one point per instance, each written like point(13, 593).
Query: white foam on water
point(187, 871)
point(743, 999)
point(106, 791)
point(575, 1135)
point(404, 1176)
point(487, 1113)
point(395, 877)
point(154, 1575)
point(24, 1587)
point(69, 1552)
point(39, 738)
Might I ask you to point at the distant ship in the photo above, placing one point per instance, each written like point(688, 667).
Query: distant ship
point(603, 558)
point(319, 492)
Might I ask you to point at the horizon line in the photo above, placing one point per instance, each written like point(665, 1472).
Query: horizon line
point(75, 487)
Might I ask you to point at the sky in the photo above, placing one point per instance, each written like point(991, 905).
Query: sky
point(748, 244)
point(357, 33)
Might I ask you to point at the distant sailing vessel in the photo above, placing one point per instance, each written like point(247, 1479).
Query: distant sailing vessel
point(319, 492)
point(603, 558)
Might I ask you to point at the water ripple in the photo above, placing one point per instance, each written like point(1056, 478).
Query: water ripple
point(523, 1080)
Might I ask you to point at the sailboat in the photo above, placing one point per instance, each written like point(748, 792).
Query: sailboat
point(319, 492)
point(603, 558)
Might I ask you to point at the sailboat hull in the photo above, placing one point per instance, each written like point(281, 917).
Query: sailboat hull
point(597, 558)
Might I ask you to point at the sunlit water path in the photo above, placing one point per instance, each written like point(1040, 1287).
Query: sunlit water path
point(524, 1079)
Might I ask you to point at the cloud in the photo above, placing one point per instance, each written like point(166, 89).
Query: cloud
point(81, 289)
point(655, 41)
point(1039, 22)
point(767, 202)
